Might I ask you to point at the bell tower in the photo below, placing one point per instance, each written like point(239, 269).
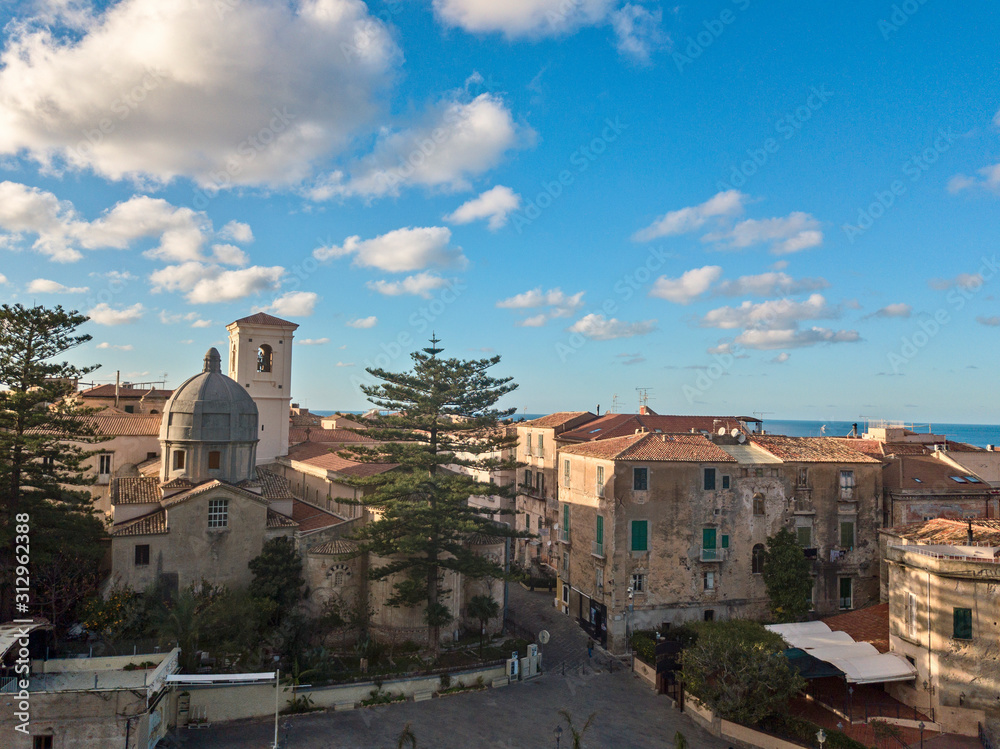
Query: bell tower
point(260, 360)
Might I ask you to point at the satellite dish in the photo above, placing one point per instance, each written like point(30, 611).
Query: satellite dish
point(543, 637)
point(735, 432)
point(741, 438)
point(722, 430)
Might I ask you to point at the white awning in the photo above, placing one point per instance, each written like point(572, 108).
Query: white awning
point(861, 662)
point(209, 679)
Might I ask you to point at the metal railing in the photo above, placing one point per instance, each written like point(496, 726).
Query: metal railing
point(713, 555)
point(597, 548)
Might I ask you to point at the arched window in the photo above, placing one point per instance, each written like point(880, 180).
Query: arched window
point(758, 504)
point(757, 559)
point(265, 358)
point(154, 411)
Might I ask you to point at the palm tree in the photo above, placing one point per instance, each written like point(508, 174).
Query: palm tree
point(482, 608)
point(577, 735)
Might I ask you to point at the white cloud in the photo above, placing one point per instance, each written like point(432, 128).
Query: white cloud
point(205, 284)
point(237, 231)
point(226, 93)
point(45, 286)
point(292, 304)
point(422, 284)
point(767, 340)
point(988, 179)
point(893, 310)
point(724, 204)
point(105, 314)
point(313, 342)
point(493, 204)
point(968, 281)
point(688, 287)
point(792, 233)
point(992, 322)
point(457, 141)
point(638, 31)
point(229, 254)
point(781, 358)
point(199, 323)
point(770, 284)
point(557, 302)
point(3, 280)
point(61, 233)
point(115, 347)
point(773, 314)
point(345, 364)
point(400, 250)
point(597, 328)
point(363, 323)
point(522, 18)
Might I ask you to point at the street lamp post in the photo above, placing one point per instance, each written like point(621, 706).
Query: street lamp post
point(821, 737)
point(921, 726)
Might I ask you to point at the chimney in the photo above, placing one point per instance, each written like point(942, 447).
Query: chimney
point(598, 409)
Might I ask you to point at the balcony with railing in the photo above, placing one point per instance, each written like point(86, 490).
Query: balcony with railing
point(564, 535)
point(597, 549)
point(714, 555)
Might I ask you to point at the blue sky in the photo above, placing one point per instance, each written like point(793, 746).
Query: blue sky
point(738, 205)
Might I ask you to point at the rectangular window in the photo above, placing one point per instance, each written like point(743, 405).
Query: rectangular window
point(640, 479)
point(565, 523)
point(565, 561)
point(599, 530)
point(527, 479)
point(709, 551)
point(963, 624)
point(846, 534)
point(565, 590)
point(846, 593)
point(104, 464)
point(130, 409)
point(725, 541)
point(709, 580)
point(709, 615)
point(541, 446)
point(528, 451)
point(41, 742)
point(638, 583)
point(539, 522)
point(214, 460)
point(218, 513)
point(640, 540)
point(725, 481)
point(566, 471)
point(803, 534)
point(141, 555)
point(600, 481)
point(846, 484)
point(178, 460)
point(709, 479)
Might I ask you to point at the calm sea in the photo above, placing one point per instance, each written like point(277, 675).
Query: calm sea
point(980, 435)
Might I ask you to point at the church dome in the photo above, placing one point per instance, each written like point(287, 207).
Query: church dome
point(215, 420)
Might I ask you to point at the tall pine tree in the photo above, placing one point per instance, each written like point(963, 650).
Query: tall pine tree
point(440, 414)
point(42, 459)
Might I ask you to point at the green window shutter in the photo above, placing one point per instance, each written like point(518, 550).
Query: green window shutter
point(600, 529)
point(847, 534)
point(708, 538)
point(963, 624)
point(709, 479)
point(639, 539)
point(725, 542)
point(566, 518)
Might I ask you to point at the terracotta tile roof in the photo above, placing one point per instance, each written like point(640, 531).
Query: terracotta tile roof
point(316, 434)
point(948, 532)
point(148, 525)
point(273, 486)
point(262, 318)
point(128, 425)
point(130, 490)
point(277, 520)
point(686, 447)
point(557, 419)
point(206, 486)
point(312, 518)
point(149, 467)
point(108, 391)
point(923, 473)
point(177, 483)
point(318, 454)
point(811, 449)
point(337, 547)
point(870, 624)
point(620, 425)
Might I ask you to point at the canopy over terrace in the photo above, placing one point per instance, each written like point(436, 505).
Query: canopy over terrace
point(860, 661)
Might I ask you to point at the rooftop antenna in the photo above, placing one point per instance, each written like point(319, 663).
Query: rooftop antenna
point(643, 396)
point(614, 405)
point(434, 350)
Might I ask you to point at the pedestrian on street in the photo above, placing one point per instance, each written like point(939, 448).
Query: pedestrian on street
point(590, 647)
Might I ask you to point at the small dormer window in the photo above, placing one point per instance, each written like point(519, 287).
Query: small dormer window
point(178, 460)
point(265, 358)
